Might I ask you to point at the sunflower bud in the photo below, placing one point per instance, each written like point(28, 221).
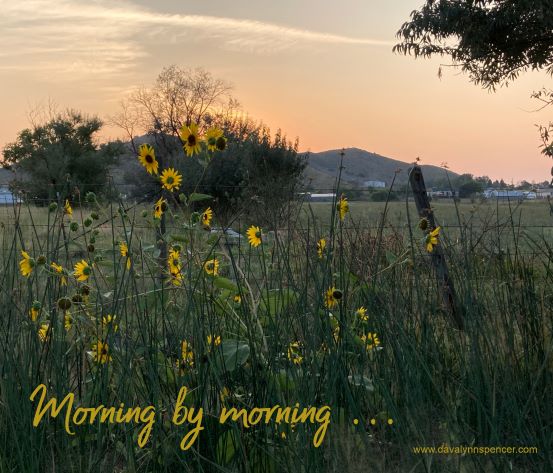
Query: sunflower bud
point(90, 197)
point(94, 216)
point(73, 226)
point(145, 214)
point(85, 290)
point(221, 143)
point(36, 305)
point(423, 224)
point(90, 248)
point(52, 207)
point(87, 222)
point(64, 303)
point(77, 299)
point(41, 260)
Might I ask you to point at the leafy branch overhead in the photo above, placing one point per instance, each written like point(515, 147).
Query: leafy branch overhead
point(493, 41)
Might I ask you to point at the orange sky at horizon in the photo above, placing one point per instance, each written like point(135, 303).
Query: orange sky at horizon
point(330, 79)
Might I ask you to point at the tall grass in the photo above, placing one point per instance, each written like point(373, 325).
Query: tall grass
point(487, 385)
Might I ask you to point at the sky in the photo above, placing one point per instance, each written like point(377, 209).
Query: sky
point(322, 71)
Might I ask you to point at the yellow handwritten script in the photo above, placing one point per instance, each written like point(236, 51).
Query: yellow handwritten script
point(191, 416)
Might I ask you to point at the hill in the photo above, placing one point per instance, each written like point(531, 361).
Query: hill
point(361, 166)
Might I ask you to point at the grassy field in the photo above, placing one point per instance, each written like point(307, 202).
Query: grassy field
point(396, 376)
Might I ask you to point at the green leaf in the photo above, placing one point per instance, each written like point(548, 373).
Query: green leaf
point(226, 447)
point(179, 237)
point(277, 301)
point(196, 197)
point(224, 283)
point(361, 381)
point(235, 353)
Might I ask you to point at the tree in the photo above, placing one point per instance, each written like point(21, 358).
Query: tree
point(59, 155)
point(254, 170)
point(494, 41)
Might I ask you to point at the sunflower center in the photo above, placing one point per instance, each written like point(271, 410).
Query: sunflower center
point(149, 159)
point(175, 262)
point(104, 351)
point(337, 294)
point(163, 206)
point(212, 141)
point(191, 140)
point(221, 143)
point(257, 234)
point(86, 271)
point(170, 180)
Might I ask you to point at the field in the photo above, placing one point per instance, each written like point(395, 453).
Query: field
point(358, 325)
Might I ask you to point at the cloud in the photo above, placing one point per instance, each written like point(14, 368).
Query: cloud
point(71, 39)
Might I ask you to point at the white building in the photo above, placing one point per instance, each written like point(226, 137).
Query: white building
point(375, 184)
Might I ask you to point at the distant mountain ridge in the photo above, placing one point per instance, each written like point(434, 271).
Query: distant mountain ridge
point(360, 166)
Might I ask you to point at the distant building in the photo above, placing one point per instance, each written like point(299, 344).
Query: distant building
point(442, 194)
point(544, 193)
point(321, 197)
point(506, 195)
point(375, 184)
point(7, 197)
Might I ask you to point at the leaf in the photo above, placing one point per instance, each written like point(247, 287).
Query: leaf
point(361, 381)
point(235, 353)
point(277, 301)
point(196, 197)
point(179, 237)
point(224, 283)
point(226, 447)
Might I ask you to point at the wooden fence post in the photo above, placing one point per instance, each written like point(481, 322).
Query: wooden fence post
point(445, 284)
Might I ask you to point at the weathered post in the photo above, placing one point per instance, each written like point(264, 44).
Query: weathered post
point(445, 284)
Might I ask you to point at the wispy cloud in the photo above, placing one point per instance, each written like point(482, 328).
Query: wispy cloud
point(72, 39)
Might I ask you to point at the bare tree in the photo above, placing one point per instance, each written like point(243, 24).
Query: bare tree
point(179, 96)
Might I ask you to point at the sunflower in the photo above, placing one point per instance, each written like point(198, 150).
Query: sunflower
point(35, 310)
point(67, 321)
point(362, 314)
point(170, 179)
point(432, 239)
point(370, 340)
point(109, 321)
point(294, 353)
point(213, 340)
point(321, 246)
point(59, 269)
point(187, 355)
point(44, 332)
point(332, 297)
point(211, 267)
point(147, 157)
point(82, 271)
point(211, 137)
point(26, 265)
point(207, 215)
point(100, 352)
point(124, 250)
point(191, 139)
point(160, 207)
point(342, 206)
point(173, 261)
point(176, 278)
point(67, 208)
point(254, 236)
